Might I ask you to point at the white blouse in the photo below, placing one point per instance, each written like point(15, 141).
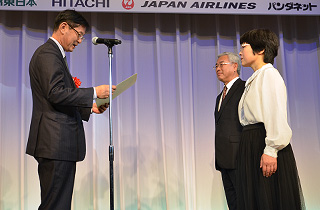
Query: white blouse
point(265, 100)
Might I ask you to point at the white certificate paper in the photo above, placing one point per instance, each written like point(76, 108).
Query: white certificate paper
point(121, 87)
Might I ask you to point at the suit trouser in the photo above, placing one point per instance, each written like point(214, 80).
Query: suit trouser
point(230, 187)
point(56, 183)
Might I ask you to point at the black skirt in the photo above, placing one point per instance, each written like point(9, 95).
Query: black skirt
point(281, 191)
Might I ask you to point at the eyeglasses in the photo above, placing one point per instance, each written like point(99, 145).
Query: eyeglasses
point(219, 65)
point(243, 46)
point(80, 36)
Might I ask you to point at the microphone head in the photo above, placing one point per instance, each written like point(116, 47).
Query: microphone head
point(94, 40)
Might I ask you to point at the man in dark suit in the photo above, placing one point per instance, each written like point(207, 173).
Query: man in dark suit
point(228, 127)
point(56, 137)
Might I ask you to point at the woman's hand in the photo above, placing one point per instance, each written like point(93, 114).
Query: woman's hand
point(268, 165)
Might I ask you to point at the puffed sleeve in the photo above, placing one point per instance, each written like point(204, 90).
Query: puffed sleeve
point(274, 112)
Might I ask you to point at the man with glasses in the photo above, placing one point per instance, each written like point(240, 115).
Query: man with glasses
point(56, 138)
point(228, 128)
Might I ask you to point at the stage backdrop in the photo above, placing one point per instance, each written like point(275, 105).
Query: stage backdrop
point(163, 125)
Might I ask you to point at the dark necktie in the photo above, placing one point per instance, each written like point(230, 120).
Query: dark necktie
point(65, 60)
point(224, 92)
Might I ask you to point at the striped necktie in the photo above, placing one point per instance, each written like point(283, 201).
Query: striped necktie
point(224, 92)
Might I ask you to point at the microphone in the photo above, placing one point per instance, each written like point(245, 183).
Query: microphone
point(96, 40)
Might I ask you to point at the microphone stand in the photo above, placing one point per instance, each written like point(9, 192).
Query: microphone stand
point(111, 147)
point(109, 43)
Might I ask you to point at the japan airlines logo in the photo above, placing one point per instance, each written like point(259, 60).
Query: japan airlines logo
point(128, 5)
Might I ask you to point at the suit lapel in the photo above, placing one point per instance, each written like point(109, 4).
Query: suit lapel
point(228, 97)
point(68, 72)
point(64, 61)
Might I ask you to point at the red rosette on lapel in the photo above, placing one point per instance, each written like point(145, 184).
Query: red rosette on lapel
point(77, 82)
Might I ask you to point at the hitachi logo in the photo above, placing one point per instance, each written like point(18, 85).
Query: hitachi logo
point(80, 3)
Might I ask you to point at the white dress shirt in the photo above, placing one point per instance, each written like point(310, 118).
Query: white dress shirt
point(60, 47)
point(229, 85)
point(265, 100)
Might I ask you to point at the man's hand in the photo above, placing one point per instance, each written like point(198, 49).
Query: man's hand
point(103, 91)
point(99, 110)
point(268, 165)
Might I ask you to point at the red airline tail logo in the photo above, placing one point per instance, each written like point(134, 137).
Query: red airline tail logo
point(128, 5)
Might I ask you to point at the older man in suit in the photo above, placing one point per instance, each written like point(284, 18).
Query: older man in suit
point(228, 127)
point(56, 137)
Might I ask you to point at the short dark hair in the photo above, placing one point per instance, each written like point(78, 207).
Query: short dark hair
point(262, 39)
point(72, 17)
